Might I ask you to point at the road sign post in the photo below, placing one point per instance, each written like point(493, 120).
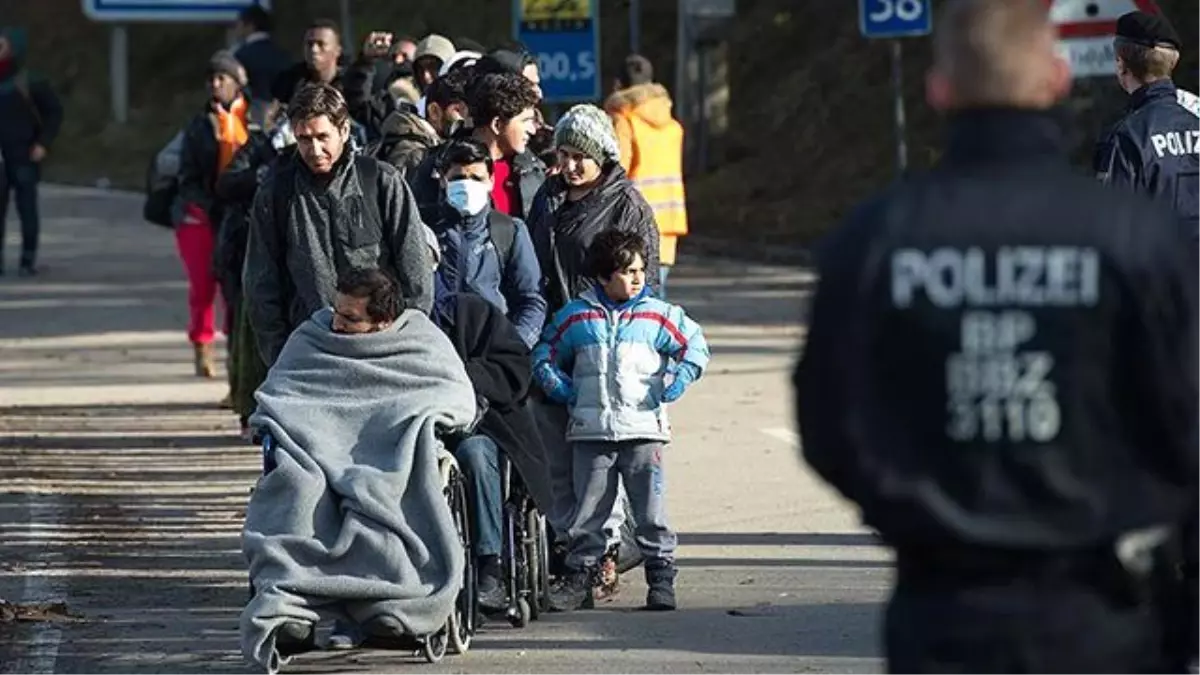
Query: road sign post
point(564, 35)
point(895, 19)
point(121, 12)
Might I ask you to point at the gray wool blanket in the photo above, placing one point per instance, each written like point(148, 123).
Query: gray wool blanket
point(353, 522)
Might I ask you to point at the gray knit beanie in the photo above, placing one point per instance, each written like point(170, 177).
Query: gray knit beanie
point(588, 129)
point(224, 62)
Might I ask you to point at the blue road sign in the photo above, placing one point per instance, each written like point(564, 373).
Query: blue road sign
point(565, 37)
point(895, 18)
point(192, 11)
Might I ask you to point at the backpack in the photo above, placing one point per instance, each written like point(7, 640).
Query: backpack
point(162, 183)
point(502, 229)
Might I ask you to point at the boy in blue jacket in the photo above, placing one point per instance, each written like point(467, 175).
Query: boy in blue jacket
point(616, 355)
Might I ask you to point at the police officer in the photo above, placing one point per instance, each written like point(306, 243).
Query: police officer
point(1155, 148)
point(1001, 370)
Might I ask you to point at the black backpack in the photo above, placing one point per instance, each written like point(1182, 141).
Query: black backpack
point(502, 230)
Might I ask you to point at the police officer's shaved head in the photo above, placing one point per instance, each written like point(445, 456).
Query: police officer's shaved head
point(996, 53)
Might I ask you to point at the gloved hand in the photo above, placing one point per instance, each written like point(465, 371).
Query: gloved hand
point(555, 383)
point(685, 374)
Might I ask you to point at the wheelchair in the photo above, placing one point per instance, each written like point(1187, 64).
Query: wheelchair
point(526, 550)
point(456, 634)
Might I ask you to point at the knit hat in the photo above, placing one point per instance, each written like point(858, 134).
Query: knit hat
point(1150, 30)
point(434, 45)
point(224, 62)
point(588, 129)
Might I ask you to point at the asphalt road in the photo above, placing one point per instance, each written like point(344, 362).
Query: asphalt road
point(122, 487)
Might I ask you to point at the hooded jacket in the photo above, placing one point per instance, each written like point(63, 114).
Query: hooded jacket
point(405, 139)
point(30, 112)
point(651, 143)
point(562, 231)
point(471, 263)
point(616, 358)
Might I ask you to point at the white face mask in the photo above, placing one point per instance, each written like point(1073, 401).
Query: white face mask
point(467, 196)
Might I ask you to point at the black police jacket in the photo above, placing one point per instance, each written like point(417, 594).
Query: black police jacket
point(1002, 353)
point(1155, 149)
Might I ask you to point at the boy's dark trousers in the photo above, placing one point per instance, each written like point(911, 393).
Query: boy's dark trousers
point(598, 468)
point(20, 179)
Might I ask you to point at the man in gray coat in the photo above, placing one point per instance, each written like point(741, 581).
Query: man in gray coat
point(323, 211)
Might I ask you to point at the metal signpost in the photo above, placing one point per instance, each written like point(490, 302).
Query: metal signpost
point(565, 37)
point(895, 19)
point(120, 12)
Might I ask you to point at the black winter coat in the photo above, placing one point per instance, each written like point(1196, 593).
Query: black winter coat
point(498, 364)
point(235, 189)
point(563, 230)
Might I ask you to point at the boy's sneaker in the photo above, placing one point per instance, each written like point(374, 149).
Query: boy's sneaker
point(660, 582)
point(573, 591)
point(608, 579)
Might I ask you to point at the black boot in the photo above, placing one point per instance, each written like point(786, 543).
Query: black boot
point(573, 591)
point(493, 596)
point(660, 580)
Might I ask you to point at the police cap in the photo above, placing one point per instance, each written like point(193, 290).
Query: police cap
point(1150, 30)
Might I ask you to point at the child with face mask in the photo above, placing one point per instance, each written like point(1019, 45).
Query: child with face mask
point(483, 250)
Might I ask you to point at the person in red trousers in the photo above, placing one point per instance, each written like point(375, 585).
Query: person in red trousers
point(209, 143)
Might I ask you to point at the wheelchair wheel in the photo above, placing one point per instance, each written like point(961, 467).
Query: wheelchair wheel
point(434, 646)
point(460, 627)
point(537, 563)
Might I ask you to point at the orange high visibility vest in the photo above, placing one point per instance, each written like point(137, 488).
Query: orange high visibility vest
point(656, 168)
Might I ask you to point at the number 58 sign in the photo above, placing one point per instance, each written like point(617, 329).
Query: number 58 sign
point(894, 18)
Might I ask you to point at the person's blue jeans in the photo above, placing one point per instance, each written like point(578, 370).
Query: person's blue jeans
point(479, 457)
point(21, 180)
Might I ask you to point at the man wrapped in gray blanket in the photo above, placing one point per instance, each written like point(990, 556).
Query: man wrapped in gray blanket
point(352, 523)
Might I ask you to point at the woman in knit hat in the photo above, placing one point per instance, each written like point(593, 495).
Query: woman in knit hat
point(210, 141)
point(590, 194)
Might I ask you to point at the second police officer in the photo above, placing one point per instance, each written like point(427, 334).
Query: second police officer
point(1155, 147)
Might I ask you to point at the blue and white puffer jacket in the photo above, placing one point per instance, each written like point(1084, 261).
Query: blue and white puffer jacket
point(616, 365)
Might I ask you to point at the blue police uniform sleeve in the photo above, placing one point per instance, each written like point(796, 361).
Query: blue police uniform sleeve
point(1118, 162)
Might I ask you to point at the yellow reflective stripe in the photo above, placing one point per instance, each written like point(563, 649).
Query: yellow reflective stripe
point(669, 205)
point(656, 181)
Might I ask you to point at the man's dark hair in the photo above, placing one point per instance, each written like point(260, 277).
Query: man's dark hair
point(635, 70)
point(542, 145)
point(257, 17)
point(378, 287)
point(450, 88)
point(326, 23)
point(500, 95)
point(315, 99)
point(506, 60)
point(464, 151)
point(614, 250)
